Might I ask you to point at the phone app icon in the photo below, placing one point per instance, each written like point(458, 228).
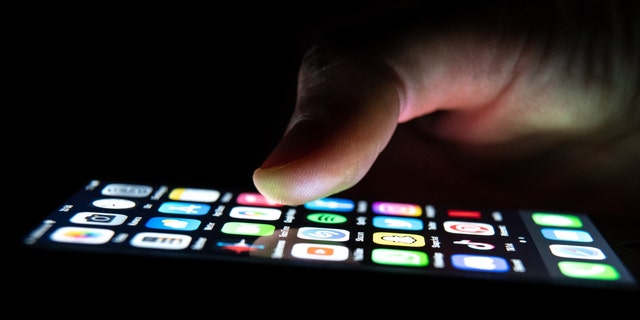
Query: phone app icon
point(473, 262)
point(101, 218)
point(327, 218)
point(255, 199)
point(113, 203)
point(167, 223)
point(399, 239)
point(556, 220)
point(395, 257)
point(317, 251)
point(399, 223)
point(397, 209)
point(588, 270)
point(248, 229)
point(566, 235)
point(331, 204)
point(465, 227)
point(255, 213)
point(325, 234)
point(188, 208)
point(194, 194)
point(126, 190)
point(577, 252)
point(166, 241)
point(82, 235)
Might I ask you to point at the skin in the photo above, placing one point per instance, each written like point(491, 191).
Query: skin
point(527, 104)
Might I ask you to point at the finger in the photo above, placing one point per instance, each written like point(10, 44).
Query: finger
point(345, 115)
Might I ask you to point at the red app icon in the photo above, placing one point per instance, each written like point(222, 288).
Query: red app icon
point(256, 199)
point(464, 214)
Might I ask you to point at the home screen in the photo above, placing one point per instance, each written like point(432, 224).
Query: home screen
point(337, 232)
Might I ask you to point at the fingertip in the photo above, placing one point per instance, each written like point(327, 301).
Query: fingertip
point(294, 185)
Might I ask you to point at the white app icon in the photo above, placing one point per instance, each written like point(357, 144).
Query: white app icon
point(255, 213)
point(156, 240)
point(102, 218)
point(114, 203)
point(126, 190)
point(577, 252)
point(317, 251)
point(466, 227)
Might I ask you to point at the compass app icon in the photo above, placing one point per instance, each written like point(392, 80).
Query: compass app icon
point(577, 252)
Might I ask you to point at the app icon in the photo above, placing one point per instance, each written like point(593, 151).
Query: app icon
point(193, 209)
point(475, 245)
point(316, 251)
point(479, 263)
point(154, 240)
point(327, 218)
point(255, 199)
point(566, 235)
point(464, 214)
point(577, 252)
point(126, 190)
point(248, 229)
point(399, 239)
point(399, 223)
point(465, 227)
point(556, 220)
point(238, 247)
point(173, 223)
point(397, 209)
point(114, 203)
point(588, 270)
point(325, 234)
point(82, 235)
point(194, 194)
point(255, 213)
point(108, 219)
point(395, 257)
point(331, 204)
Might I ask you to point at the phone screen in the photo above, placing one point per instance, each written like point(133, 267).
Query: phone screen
point(378, 235)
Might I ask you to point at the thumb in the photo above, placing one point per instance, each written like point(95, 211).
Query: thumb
point(346, 113)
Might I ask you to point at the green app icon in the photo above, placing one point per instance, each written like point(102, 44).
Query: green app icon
point(556, 220)
point(407, 258)
point(588, 270)
point(248, 229)
point(329, 218)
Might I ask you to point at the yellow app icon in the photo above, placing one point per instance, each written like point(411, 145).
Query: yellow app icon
point(194, 194)
point(399, 239)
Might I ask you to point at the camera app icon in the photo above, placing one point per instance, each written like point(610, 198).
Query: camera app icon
point(101, 218)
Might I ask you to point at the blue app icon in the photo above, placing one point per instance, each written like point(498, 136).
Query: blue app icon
point(398, 223)
point(566, 235)
point(188, 208)
point(331, 204)
point(474, 262)
point(169, 223)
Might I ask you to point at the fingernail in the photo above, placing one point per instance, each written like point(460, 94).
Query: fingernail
point(304, 137)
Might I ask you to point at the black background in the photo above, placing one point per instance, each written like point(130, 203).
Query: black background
point(155, 93)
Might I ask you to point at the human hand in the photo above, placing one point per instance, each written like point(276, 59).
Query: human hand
point(505, 100)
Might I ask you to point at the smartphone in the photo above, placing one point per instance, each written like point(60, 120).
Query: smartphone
point(369, 240)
